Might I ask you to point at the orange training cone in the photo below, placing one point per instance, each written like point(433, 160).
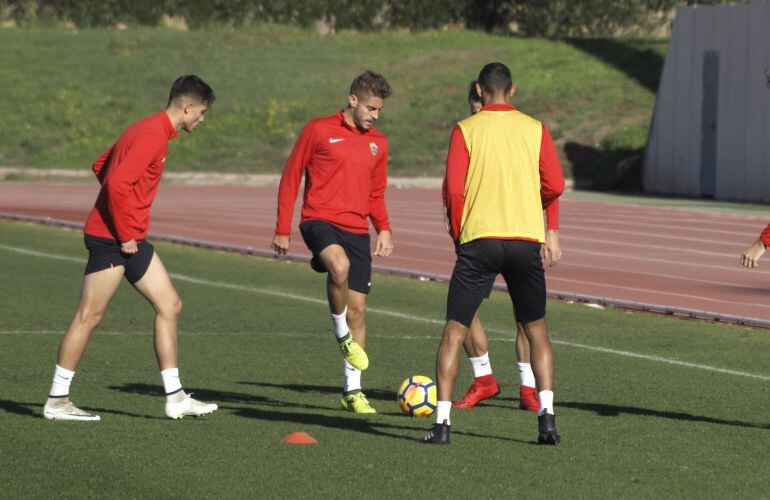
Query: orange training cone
point(299, 438)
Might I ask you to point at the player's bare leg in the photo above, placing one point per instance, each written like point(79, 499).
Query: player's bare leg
point(541, 353)
point(156, 287)
point(98, 290)
point(336, 262)
point(476, 343)
point(448, 358)
point(447, 362)
point(357, 316)
point(522, 344)
point(353, 399)
point(527, 385)
point(484, 385)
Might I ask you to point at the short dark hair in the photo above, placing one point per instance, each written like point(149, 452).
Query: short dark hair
point(473, 95)
point(371, 83)
point(495, 78)
point(191, 86)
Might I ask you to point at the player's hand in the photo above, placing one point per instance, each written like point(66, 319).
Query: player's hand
point(446, 223)
point(384, 246)
point(551, 250)
point(281, 244)
point(750, 257)
point(129, 247)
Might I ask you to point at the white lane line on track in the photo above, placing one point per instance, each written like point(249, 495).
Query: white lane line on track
point(162, 224)
point(639, 246)
point(575, 217)
point(410, 317)
point(663, 261)
point(656, 292)
point(666, 209)
point(602, 268)
point(700, 219)
point(648, 235)
point(735, 226)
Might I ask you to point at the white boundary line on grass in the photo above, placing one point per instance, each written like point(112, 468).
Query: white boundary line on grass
point(394, 314)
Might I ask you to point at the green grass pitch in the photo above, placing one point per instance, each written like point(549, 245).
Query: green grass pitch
point(255, 338)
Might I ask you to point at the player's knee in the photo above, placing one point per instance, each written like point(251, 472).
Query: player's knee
point(338, 270)
point(454, 331)
point(171, 308)
point(356, 312)
point(536, 330)
point(90, 318)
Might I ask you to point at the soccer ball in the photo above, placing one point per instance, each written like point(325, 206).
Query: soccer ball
point(417, 396)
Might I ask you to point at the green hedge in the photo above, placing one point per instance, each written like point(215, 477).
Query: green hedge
point(551, 18)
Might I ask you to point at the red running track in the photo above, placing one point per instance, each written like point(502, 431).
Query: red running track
point(652, 255)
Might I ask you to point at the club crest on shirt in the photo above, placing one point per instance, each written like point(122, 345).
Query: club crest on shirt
point(373, 147)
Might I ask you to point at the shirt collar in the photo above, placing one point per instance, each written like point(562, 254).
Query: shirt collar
point(168, 126)
point(348, 126)
point(499, 107)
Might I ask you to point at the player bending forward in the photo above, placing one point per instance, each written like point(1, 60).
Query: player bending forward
point(115, 236)
point(501, 171)
point(344, 160)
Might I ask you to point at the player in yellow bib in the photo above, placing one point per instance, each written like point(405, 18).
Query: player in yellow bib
point(501, 172)
point(485, 385)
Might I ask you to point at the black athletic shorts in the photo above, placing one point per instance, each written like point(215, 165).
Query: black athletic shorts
point(478, 264)
point(457, 253)
point(319, 234)
point(104, 253)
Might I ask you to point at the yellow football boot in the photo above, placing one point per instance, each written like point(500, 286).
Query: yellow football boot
point(354, 354)
point(357, 403)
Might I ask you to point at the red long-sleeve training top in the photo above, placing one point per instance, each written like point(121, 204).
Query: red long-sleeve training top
point(129, 172)
point(345, 177)
point(766, 236)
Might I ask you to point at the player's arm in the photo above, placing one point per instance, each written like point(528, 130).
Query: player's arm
point(138, 158)
point(551, 250)
point(98, 166)
point(444, 210)
point(378, 212)
point(551, 187)
point(289, 186)
point(457, 162)
point(551, 177)
point(750, 257)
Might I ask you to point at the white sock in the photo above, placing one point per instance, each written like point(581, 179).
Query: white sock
point(526, 375)
point(62, 378)
point(171, 383)
point(442, 412)
point(481, 365)
point(546, 402)
point(340, 324)
point(351, 378)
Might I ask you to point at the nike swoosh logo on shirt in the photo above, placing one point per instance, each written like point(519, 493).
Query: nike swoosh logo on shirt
point(332, 141)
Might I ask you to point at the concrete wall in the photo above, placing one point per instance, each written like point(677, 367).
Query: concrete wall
point(735, 42)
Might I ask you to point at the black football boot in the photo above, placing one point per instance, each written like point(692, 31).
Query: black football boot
point(438, 434)
point(548, 433)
